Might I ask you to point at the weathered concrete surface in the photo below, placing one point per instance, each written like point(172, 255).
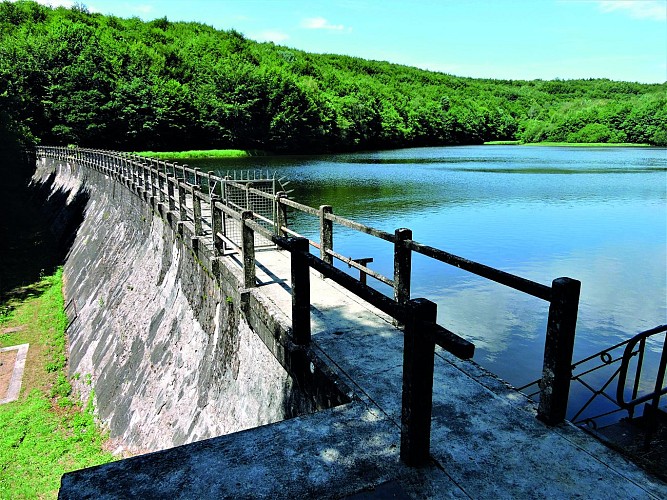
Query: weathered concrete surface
point(486, 441)
point(16, 379)
point(166, 349)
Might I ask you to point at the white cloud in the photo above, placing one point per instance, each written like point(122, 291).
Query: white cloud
point(319, 23)
point(639, 9)
point(270, 36)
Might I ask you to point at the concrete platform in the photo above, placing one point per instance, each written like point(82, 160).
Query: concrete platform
point(486, 441)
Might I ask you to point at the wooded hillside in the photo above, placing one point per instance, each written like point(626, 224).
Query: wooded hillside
point(71, 77)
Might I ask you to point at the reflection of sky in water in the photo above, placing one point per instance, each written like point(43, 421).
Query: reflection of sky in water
point(597, 215)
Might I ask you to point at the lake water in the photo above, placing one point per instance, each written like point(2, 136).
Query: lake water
point(598, 215)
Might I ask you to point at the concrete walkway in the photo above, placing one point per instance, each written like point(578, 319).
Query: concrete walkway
point(485, 441)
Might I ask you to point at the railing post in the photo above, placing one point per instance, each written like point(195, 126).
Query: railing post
point(216, 225)
point(196, 208)
point(558, 349)
point(418, 360)
point(153, 181)
point(145, 171)
point(248, 204)
point(281, 213)
point(161, 177)
point(300, 291)
point(248, 248)
point(326, 234)
point(402, 267)
point(209, 174)
point(182, 205)
point(170, 193)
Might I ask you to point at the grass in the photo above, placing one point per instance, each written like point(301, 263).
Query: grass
point(46, 432)
point(590, 144)
point(568, 144)
point(502, 143)
point(187, 155)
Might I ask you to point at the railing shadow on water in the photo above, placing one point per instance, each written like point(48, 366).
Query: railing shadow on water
point(239, 215)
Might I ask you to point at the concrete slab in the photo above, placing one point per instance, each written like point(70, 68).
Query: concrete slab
point(17, 373)
point(484, 434)
point(485, 443)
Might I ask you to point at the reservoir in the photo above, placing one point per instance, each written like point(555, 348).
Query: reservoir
point(598, 215)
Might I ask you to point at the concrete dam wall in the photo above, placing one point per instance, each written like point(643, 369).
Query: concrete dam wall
point(168, 346)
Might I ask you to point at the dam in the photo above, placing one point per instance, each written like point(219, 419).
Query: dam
point(246, 366)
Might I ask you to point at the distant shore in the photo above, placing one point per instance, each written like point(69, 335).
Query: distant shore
point(240, 153)
point(569, 144)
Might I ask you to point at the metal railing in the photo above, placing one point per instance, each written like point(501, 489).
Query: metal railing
point(598, 372)
point(223, 223)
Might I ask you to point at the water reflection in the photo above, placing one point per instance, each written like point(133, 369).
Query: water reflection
point(597, 215)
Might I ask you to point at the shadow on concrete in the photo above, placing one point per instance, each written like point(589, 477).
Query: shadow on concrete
point(37, 228)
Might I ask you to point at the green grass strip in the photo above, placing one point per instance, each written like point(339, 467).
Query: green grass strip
point(46, 432)
point(502, 143)
point(589, 144)
point(187, 155)
point(569, 144)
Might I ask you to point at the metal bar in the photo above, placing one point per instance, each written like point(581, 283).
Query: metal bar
point(638, 373)
point(604, 351)
point(622, 378)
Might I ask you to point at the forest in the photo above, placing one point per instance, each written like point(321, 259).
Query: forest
point(69, 76)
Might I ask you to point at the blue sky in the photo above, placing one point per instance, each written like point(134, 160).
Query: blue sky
point(510, 39)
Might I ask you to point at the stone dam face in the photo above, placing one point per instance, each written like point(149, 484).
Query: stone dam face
point(164, 350)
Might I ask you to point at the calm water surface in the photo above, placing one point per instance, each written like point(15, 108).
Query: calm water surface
point(598, 215)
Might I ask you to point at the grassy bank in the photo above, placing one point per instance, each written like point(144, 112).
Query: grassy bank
point(46, 432)
point(589, 144)
point(187, 155)
point(502, 143)
point(568, 144)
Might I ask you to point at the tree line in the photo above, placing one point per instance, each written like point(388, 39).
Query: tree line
point(68, 76)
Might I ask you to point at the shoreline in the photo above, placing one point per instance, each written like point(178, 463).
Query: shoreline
point(570, 144)
point(240, 153)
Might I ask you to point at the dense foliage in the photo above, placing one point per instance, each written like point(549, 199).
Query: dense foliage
point(70, 76)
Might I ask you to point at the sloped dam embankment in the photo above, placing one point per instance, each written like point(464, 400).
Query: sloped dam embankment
point(170, 351)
